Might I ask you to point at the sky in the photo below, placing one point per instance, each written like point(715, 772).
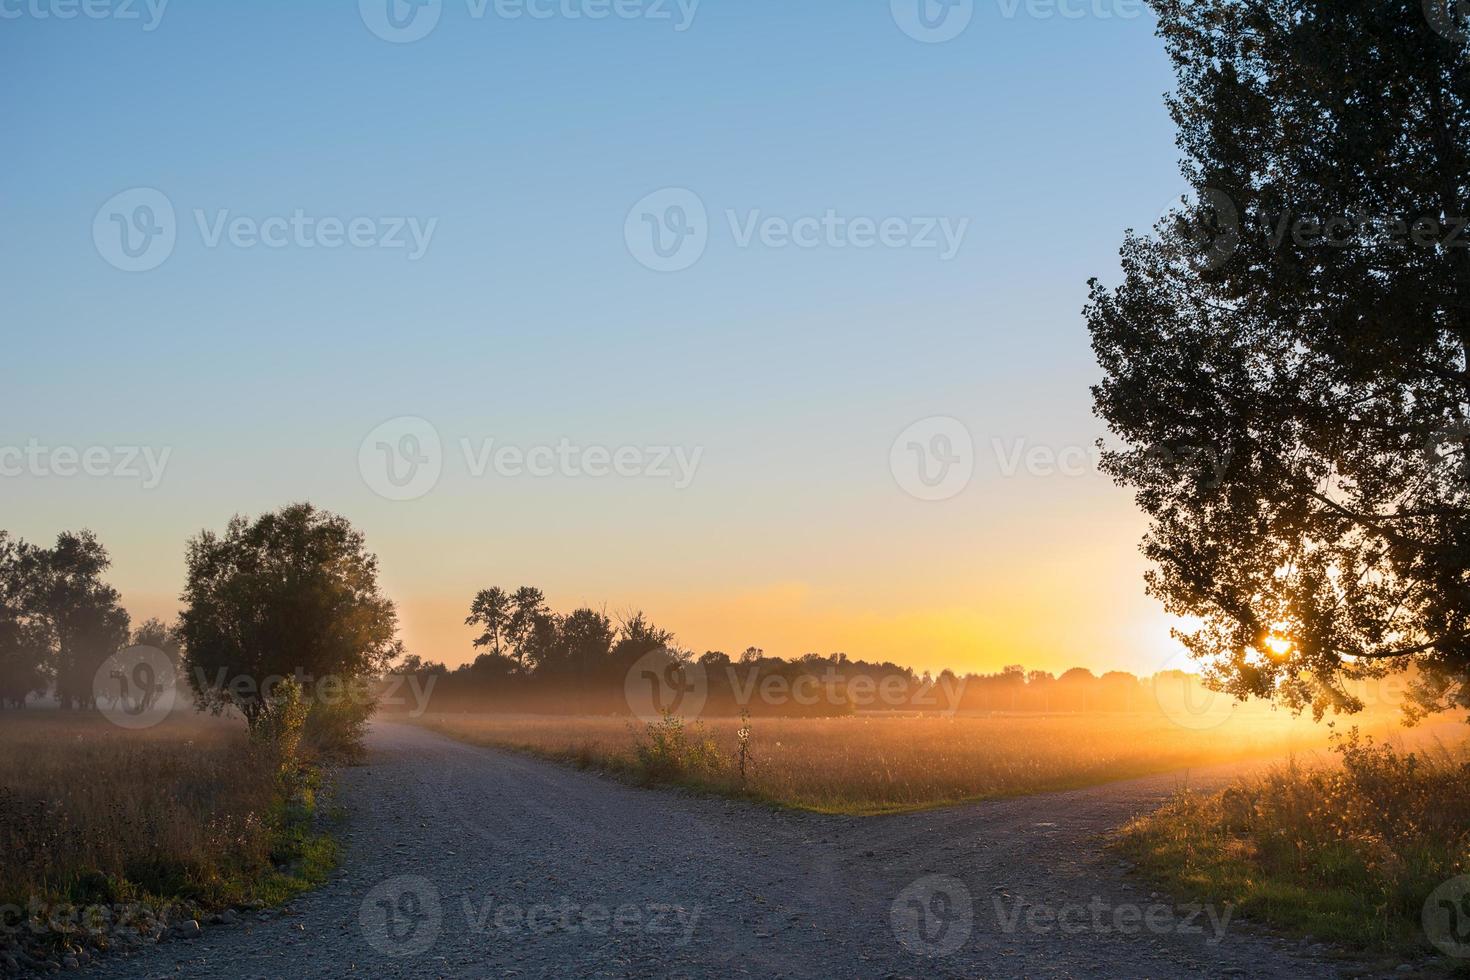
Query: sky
point(762, 317)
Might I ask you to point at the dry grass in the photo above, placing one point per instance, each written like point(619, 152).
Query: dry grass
point(878, 763)
point(1346, 851)
point(91, 813)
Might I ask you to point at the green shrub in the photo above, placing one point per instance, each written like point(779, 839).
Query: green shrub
point(667, 752)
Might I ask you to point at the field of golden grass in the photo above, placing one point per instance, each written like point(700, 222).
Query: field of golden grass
point(874, 764)
point(93, 814)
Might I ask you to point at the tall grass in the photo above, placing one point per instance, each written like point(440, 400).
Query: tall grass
point(1346, 852)
point(186, 811)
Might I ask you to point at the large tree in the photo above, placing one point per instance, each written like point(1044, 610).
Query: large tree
point(24, 650)
point(1287, 359)
point(292, 594)
point(72, 613)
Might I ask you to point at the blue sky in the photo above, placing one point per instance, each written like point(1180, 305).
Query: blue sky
point(524, 143)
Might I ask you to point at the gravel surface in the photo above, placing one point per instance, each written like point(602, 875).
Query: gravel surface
point(470, 862)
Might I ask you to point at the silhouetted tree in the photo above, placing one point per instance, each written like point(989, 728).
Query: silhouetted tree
point(1287, 359)
point(23, 647)
point(292, 594)
point(73, 613)
point(491, 611)
point(584, 642)
point(159, 635)
point(527, 612)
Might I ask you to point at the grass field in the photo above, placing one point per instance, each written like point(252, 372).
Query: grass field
point(1348, 852)
point(184, 813)
point(874, 764)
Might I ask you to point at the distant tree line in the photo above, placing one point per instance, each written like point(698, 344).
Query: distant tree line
point(294, 595)
point(535, 659)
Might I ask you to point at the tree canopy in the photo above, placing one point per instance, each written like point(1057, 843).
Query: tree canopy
point(293, 594)
point(1286, 356)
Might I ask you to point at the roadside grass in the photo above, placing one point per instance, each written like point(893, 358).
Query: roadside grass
point(1344, 853)
point(882, 764)
point(183, 816)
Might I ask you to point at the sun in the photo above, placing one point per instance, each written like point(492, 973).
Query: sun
point(1279, 647)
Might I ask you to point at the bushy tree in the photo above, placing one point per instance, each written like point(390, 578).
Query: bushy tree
point(293, 594)
point(513, 629)
point(1287, 358)
point(24, 649)
point(74, 615)
point(157, 634)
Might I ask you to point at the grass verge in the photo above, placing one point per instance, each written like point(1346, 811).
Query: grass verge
point(1350, 854)
point(113, 837)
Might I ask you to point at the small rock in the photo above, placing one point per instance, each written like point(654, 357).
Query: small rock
point(188, 929)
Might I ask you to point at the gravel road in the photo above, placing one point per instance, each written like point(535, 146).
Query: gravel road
point(470, 862)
